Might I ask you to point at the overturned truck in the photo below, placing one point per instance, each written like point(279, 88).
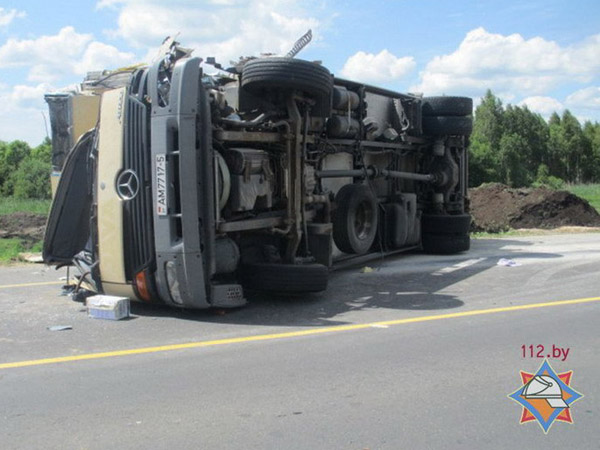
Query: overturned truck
point(192, 188)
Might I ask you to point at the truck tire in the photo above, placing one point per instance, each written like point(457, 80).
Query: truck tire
point(355, 219)
point(447, 106)
point(288, 278)
point(287, 74)
point(445, 244)
point(445, 234)
point(447, 125)
point(445, 223)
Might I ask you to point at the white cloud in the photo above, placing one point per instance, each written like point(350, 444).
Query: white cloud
point(100, 56)
point(67, 43)
point(511, 63)
point(67, 53)
point(24, 96)
point(382, 67)
point(225, 29)
point(21, 115)
point(588, 98)
point(8, 15)
point(542, 105)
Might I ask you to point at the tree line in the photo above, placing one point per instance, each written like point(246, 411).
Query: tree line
point(517, 147)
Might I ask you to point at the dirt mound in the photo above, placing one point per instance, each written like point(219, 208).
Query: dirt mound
point(496, 207)
point(27, 226)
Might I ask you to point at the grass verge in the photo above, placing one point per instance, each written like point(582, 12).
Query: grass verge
point(10, 205)
point(10, 249)
point(590, 192)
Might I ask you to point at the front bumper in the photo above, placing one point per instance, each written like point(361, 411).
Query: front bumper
point(181, 232)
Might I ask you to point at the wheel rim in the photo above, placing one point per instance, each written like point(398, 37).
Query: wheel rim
point(363, 220)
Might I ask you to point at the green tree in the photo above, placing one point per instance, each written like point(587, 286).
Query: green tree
point(533, 129)
point(576, 150)
point(556, 148)
point(544, 179)
point(11, 155)
point(43, 152)
point(31, 179)
point(592, 135)
point(513, 144)
point(514, 172)
point(485, 140)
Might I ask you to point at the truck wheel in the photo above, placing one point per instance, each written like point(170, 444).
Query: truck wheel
point(287, 74)
point(445, 223)
point(447, 125)
point(355, 219)
point(445, 234)
point(447, 106)
point(445, 244)
point(287, 278)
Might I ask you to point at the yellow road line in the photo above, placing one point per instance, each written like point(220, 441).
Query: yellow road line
point(42, 283)
point(291, 334)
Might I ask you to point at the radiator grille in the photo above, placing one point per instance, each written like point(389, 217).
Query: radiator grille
point(138, 211)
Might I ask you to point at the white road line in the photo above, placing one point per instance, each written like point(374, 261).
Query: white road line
point(458, 266)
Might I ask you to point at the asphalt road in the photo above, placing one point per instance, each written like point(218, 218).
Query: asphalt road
point(420, 353)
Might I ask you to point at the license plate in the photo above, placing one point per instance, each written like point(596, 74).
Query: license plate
point(161, 184)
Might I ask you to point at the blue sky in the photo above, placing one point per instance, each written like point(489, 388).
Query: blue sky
point(544, 54)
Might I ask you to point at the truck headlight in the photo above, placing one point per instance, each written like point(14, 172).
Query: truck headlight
point(173, 282)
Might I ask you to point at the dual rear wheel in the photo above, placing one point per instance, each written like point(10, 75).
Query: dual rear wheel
point(356, 219)
point(445, 116)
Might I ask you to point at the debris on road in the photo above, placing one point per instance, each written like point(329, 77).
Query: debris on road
point(108, 307)
point(507, 263)
point(366, 269)
point(35, 258)
point(60, 327)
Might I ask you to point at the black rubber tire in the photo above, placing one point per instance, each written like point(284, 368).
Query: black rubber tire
point(355, 219)
point(445, 244)
point(285, 278)
point(447, 125)
point(287, 74)
point(447, 106)
point(445, 223)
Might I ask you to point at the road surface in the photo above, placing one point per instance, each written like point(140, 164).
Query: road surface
point(420, 353)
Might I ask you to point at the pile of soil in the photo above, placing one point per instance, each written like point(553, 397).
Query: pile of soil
point(496, 207)
point(23, 225)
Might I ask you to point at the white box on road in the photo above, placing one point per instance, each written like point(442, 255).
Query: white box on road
point(108, 307)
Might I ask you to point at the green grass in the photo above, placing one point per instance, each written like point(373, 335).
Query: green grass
point(590, 192)
point(10, 205)
point(501, 234)
point(10, 249)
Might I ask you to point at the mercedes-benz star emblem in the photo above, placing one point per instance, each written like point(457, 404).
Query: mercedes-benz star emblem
point(128, 185)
